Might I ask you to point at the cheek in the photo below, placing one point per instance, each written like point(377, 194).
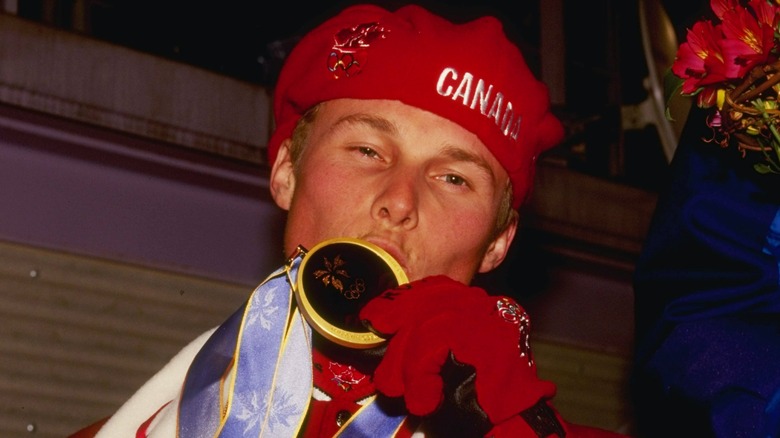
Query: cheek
point(461, 240)
point(319, 211)
point(324, 193)
point(334, 187)
point(464, 226)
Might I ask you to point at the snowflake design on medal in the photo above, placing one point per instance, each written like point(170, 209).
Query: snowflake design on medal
point(336, 276)
point(350, 48)
point(512, 313)
point(333, 273)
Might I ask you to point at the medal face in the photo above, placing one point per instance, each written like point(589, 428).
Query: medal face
point(336, 279)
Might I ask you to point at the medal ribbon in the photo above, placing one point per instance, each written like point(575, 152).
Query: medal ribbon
point(268, 390)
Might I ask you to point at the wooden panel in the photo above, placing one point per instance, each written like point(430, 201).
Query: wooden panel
point(588, 209)
point(592, 385)
point(79, 335)
point(72, 76)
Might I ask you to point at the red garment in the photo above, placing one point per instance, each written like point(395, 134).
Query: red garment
point(346, 388)
point(91, 430)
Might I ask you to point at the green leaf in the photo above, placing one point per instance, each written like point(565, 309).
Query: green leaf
point(762, 168)
point(672, 88)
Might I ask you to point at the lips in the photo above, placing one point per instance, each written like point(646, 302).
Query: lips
point(392, 249)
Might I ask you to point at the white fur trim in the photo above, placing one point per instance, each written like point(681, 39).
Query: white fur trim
point(163, 387)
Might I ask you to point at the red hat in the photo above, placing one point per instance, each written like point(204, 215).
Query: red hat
point(468, 73)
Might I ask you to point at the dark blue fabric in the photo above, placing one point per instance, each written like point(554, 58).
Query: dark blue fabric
point(713, 377)
point(707, 298)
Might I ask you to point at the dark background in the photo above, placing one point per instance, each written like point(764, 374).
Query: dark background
point(605, 67)
point(240, 38)
point(248, 39)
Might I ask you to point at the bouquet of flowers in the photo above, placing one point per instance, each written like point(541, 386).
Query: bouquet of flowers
point(733, 68)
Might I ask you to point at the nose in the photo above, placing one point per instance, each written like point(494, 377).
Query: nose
point(397, 200)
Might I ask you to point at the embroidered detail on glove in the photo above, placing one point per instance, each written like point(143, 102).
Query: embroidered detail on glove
point(512, 312)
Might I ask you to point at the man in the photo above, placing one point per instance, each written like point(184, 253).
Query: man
point(419, 136)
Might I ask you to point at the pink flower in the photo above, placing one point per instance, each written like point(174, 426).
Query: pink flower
point(748, 35)
point(707, 97)
point(699, 60)
point(719, 7)
point(719, 53)
point(733, 65)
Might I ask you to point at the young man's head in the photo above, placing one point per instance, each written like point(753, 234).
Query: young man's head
point(420, 136)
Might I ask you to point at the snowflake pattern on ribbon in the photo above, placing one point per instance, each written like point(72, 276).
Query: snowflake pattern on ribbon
point(282, 410)
point(268, 313)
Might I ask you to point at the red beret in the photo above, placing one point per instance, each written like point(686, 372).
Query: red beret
point(468, 73)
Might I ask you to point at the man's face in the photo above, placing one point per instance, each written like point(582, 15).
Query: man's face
point(418, 185)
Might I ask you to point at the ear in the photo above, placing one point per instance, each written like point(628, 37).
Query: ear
point(283, 177)
point(498, 248)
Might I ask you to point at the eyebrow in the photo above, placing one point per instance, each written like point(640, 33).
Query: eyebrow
point(459, 154)
point(382, 124)
point(375, 122)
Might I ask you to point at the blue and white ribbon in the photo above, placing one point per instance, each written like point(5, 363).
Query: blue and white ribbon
point(253, 377)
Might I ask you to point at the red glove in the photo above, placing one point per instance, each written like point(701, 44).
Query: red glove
point(430, 320)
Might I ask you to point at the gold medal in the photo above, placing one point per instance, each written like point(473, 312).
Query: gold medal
point(336, 278)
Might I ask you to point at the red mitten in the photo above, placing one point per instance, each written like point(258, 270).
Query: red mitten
point(430, 320)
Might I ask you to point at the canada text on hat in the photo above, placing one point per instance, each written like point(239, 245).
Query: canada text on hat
point(469, 73)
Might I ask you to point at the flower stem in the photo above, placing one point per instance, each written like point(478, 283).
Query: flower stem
point(775, 142)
